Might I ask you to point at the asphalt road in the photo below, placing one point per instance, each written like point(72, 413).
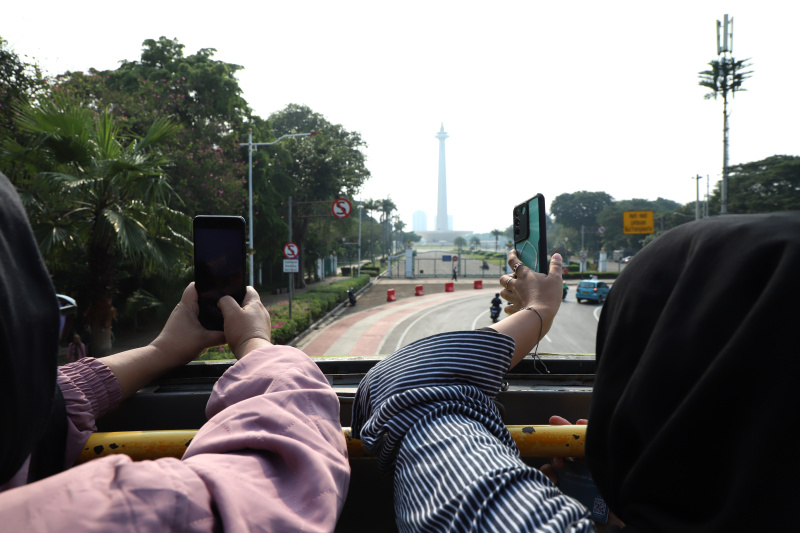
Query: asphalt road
point(375, 326)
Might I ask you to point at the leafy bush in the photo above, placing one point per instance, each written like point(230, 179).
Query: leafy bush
point(309, 307)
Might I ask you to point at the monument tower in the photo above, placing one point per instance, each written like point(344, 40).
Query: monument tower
point(441, 214)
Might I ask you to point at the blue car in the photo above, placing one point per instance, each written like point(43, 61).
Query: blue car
point(592, 289)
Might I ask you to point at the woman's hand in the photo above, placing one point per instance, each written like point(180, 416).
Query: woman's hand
point(183, 337)
point(526, 288)
point(557, 463)
point(247, 327)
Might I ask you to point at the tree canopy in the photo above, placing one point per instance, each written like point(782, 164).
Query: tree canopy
point(772, 184)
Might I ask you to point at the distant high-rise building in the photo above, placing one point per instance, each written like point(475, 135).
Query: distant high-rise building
point(442, 222)
point(420, 221)
point(450, 222)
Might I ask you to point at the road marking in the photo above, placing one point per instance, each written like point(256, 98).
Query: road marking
point(596, 312)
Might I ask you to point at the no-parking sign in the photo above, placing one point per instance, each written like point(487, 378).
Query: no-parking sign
point(341, 208)
point(291, 250)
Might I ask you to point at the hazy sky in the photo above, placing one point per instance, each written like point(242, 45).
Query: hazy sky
point(536, 97)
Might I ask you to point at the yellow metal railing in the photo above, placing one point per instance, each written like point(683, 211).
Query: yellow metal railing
point(532, 441)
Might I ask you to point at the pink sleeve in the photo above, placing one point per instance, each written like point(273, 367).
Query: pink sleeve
point(90, 390)
point(272, 458)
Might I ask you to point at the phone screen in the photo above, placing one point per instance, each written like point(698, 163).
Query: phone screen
point(530, 237)
point(219, 264)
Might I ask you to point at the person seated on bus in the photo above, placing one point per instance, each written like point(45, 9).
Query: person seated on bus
point(694, 389)
point(271, 457)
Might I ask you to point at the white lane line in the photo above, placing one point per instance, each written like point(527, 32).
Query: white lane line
point(415, 322)
point(475, 322)
point(405, 331)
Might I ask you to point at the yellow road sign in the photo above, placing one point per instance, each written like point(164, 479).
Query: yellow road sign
point(637, 222)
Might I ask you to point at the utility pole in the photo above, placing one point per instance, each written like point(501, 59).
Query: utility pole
point(697, 179)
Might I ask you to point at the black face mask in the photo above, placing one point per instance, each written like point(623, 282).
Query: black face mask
point(29, 330)
point(697, 364)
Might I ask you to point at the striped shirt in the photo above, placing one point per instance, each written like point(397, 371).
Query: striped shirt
point(428, 413)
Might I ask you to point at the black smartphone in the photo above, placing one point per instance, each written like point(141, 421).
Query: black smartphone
point(219, 264)
point(530, 235)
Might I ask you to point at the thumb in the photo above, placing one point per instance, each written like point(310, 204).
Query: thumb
point(556, 265)
point(228, 306)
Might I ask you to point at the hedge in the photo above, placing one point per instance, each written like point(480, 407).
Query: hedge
point(309, 307)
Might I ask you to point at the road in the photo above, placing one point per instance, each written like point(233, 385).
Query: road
point(385, 327)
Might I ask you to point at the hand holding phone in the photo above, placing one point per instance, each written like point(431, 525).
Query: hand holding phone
point(219, 264)
point(530, 234)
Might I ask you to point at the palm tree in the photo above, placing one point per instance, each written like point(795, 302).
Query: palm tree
point(369, 206)
point(726, 75)
point(399, 226)
point(105, 194)
point(497, 233)
point(474, 242)
point(387, 206)
point(460, 242)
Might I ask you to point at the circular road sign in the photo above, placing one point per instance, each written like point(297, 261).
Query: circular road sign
point(341, 208)
point(583, 256)
point(455, 258)
point(601, 230)
point(291, 250)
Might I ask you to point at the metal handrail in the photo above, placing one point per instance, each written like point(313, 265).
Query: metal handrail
point(532, 441)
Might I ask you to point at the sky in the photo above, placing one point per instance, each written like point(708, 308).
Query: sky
point(537, 97)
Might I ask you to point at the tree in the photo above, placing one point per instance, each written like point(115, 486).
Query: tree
point(474, 242)
point(208, 169)
point(497, 233)
point(398, 229)
point(726, 75)
point(21, 83)
point(580, 209)
point(772, 184)
point(611, 219)
point(460, 242)
point(102, 198)
point(371, 205)
point(387, 207)
point(318, 169)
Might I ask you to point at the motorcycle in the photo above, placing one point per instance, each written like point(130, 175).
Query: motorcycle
point(494, 312)
point(351, 297)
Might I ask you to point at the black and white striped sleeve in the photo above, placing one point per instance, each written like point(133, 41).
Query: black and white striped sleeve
point(427, 413)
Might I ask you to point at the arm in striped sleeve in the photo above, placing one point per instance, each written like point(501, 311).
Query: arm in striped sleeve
point(427, 412)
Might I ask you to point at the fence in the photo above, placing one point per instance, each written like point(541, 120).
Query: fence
point(431, 265)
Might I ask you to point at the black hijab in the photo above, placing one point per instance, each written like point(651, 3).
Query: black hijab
point(698, 379)
point(29, 324)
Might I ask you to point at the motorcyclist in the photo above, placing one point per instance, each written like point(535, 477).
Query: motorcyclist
point(351, 297)
point(564, 286)
point(494, 310)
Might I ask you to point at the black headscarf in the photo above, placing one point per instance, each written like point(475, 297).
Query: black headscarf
point(29, 324)
point(698, 380)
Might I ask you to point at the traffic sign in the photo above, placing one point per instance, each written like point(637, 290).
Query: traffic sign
point(637, 222)
point(341, 208)
point(455, 258)
point(601, 229)
point(291, 265)
point(583, 256)
point(291, 250)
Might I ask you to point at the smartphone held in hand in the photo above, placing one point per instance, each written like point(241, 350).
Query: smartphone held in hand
point(530, 235)
point(219, 264)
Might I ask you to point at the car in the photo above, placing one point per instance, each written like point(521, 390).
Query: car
point(626, 259)
point(592, 289)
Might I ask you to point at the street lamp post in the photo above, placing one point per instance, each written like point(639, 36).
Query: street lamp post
point(252, 147)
